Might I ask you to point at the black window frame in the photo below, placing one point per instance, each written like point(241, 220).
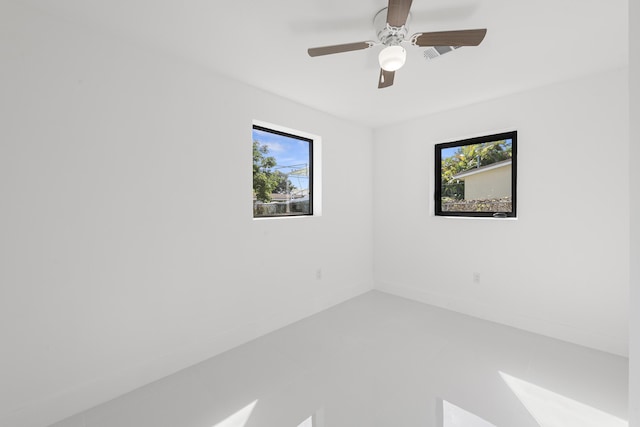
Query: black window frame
point(513, 135)
point(310, 141)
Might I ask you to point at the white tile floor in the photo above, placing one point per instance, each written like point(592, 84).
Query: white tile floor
point(380, 360)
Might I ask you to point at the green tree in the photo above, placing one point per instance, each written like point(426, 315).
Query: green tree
point(267, 181)
point(470, 157)
point(263, 180)
point(284, 185)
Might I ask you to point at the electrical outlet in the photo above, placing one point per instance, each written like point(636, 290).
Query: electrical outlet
point(476, 277)
point(319, 274)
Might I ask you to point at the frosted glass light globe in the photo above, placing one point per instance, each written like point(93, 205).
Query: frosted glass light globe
point(392, 58)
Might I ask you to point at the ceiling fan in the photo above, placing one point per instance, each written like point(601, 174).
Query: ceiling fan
point(392, 32)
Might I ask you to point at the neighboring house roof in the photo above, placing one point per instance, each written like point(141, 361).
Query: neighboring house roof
point(481, 169)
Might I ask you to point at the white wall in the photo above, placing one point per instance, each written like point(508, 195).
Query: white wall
point(634, 80)
point(128, 245)
point(492, 183)
point(562, 268)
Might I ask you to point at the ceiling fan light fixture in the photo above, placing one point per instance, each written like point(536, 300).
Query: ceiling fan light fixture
point(391, 28)
point(392, 58)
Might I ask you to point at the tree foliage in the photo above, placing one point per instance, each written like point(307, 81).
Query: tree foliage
point(284, 185)
point(469, 157)
point(266, 180)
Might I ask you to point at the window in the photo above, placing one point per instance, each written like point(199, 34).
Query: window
point(282, 173)
point(477, 177)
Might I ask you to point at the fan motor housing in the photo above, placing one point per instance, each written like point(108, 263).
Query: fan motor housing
point(388, 35)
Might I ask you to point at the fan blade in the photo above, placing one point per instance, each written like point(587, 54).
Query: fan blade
point(398, 12)
point(449, 38)
point(386, 78)
point(338, 48)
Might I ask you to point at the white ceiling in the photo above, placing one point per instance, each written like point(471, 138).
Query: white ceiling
point(263, 43)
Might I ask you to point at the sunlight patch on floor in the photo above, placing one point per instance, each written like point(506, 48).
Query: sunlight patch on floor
point(238, 419)
point(551, 409)
point(454, 416)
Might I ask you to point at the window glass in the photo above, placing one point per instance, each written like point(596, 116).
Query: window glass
point(477, 177)
point(282, 174)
